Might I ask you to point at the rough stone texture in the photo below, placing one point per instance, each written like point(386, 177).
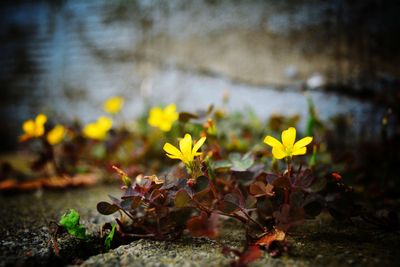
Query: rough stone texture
point(317, 243)
point(24, 220)
point(65, 57)
point(25, 223)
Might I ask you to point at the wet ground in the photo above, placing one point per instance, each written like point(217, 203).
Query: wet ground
point(25, 238)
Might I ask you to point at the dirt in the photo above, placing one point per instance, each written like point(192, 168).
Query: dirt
point(25, 227)
point(26, 223)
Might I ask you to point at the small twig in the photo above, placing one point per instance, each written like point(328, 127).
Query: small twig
point(139, 235)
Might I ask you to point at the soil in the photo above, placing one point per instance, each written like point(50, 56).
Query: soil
point(25, 229)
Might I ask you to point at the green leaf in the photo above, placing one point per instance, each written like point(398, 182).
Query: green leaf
point(109, 238)
point(70, 221)
point(79, 232)
point(241, 163)
point(313, 159)
point(221, 164)
point(99, 151)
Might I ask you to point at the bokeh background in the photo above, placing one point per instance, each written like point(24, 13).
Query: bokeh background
point(64, 58)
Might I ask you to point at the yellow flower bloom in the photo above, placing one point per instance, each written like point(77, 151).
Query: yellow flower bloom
point(56, 135)
point(33, 128)
point(288, 147)
point(113, 105)
point(98, 130)
point(185, 152)
point(163, 118)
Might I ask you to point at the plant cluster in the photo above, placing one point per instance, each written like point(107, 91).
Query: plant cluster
point(210, 185)
point(224, 171)
point(83, 151)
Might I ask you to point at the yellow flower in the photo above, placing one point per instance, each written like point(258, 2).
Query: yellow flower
point(98, 130)
point(163, 118)
point(185, 152)
point(33, 128)
point(56, 135)
point(288, 147)
point(113, 105)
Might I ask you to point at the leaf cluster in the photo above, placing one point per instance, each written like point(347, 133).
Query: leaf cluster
point(70, 222)
point(267, 204)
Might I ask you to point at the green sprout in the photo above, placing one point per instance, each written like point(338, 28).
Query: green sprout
point(70, 221)
point(109, 238)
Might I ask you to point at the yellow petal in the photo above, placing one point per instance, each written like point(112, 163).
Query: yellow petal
point(174, 157)
point(170, 113)
point(185, 146)
point(155, 117)
point(93, 131)
point(278, 152)
point(302, 143)
point(172, 150)
point(113, 105)
point(40, 119)
point(39, 130)
point(56, 135)
point(197, 146)
point(29, 127)
point(288, 137)
point(299, 151)
point(104, 123)
point(271, 141)
point(165, 126)
point(89, 130)
point(170, 108)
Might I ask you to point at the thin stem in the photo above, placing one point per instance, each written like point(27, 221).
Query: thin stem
point(235, 216)
point(288, 167)
point(127, 214)
point(286, 191)
point(212, 186)
point(251, 219)
point(297, 175)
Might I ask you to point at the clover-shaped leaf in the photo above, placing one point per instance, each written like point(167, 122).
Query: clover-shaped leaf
point(240, 163)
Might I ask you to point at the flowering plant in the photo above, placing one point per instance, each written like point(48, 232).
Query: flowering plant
point(267, 204)
point(163, 118)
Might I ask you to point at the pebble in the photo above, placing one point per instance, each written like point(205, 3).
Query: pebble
point(316, 80)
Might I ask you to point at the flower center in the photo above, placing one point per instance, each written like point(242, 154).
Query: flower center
point(289, 150)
